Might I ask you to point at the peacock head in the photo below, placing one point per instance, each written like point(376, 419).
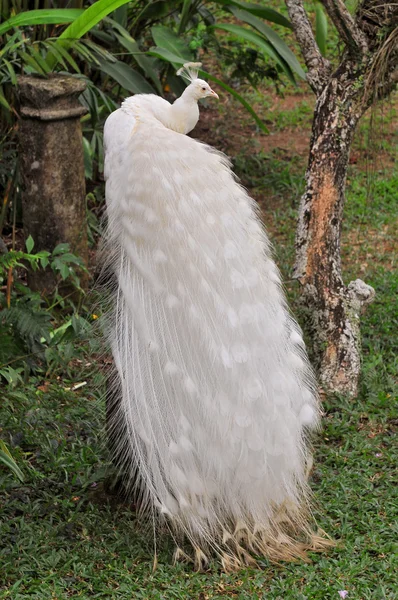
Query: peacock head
point(201, 89)
point(198, 88)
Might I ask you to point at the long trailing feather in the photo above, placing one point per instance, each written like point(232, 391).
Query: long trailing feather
point(215, 390)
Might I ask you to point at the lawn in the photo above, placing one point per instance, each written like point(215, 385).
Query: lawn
point(64, 535)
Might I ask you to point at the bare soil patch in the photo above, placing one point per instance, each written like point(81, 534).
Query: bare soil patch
point(233, 129)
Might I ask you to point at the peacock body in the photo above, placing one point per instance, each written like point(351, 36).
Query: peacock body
point(216, 392)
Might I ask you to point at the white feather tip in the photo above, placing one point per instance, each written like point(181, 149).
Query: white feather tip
point(189, 71)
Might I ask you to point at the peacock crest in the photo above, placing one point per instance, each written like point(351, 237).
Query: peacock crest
point(189, 71)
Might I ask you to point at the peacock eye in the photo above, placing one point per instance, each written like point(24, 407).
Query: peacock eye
point(204, 89)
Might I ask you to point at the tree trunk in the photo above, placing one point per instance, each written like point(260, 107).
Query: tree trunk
point(52, 167)
point(367, 73)
point(333, 308)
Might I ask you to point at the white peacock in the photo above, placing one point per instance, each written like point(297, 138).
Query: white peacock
point(216, 391)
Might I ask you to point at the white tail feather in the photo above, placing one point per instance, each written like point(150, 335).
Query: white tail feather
point(216, 388)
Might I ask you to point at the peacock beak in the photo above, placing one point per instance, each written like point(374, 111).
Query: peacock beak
point(213, 93)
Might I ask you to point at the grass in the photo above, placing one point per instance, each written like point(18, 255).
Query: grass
point(62, 536)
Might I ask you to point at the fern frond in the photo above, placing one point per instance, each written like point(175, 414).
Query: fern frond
point(29, 323)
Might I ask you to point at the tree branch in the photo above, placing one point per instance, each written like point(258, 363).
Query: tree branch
point(348, 29)
point(318, 67)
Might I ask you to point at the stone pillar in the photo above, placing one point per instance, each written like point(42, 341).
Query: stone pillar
point(52, 168)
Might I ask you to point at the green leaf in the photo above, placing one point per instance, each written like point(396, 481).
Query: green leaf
point(280, 46)
point(145, 62)
point(58, 49)
point(60, 249)
point(55, 56)
point(259, 41)
point(167, 39)
point(97, 50)
point(259, 11)
point(121, 15)
point(63, 269)
point(172, 58)
point(90, 17)
point(71, 258)
point(50, 16)
point(44, 262)
point(8, 461)
point(28, 61)
point(155, 11)
point(42, 254)
point(29, 244)
point(166, 55)
point(184, 15)
point(13, 377)
point(12, 45)
point(3, 100)
point(45, 68)
point(321, 28)
point(10, 69)
point(88, 159)
point(127, 77)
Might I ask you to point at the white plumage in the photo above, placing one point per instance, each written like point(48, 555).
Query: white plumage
point(216, 391)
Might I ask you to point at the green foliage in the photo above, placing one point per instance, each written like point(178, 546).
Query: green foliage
point(66, 52)
point(321, 28)
point(165, 38)
point(258, 41)
point(285, 55)
point(7, 460)
point(60, 260)
point(41, 17)
point(264, 12)
point(28, 322)
point(115, 47)
point(99, 105)
point(91, 17)
point(126, 77)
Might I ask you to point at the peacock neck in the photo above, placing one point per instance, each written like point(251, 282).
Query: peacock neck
point(184, 112)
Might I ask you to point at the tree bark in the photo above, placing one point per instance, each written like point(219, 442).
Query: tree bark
point(52, 167)
point(333, 309)
point(367, 72)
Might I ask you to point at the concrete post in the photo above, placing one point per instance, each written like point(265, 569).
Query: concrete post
point(52, 168)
